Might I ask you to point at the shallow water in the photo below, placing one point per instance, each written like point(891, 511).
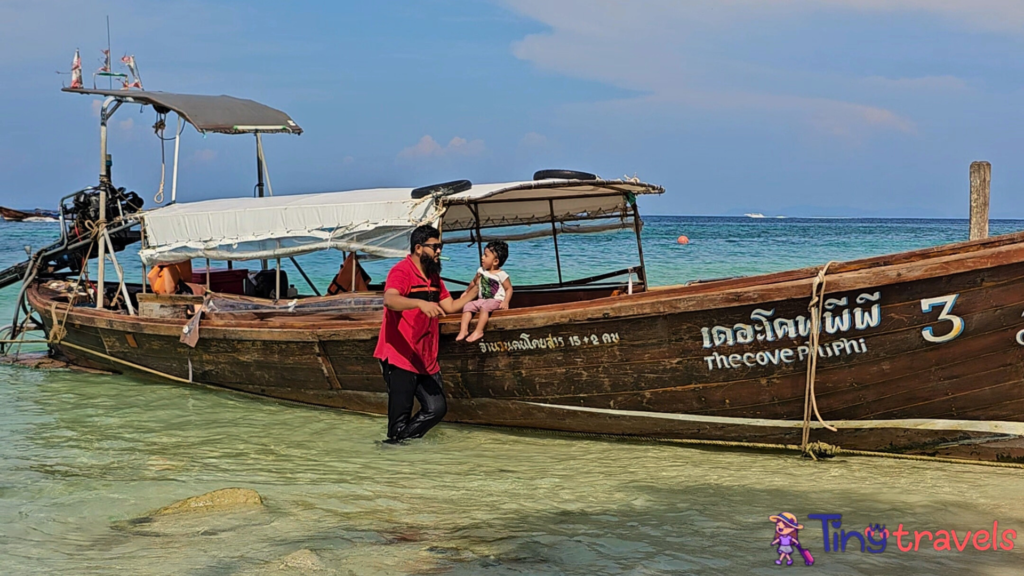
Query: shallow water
point(81, 454)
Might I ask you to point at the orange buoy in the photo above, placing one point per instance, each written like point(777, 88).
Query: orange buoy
point(683, 240)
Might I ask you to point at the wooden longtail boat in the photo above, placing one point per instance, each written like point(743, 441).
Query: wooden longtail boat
point(37, 215)
point(918, 352)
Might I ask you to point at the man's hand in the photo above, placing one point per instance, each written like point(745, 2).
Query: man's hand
point(471, 291)
point(431, 309)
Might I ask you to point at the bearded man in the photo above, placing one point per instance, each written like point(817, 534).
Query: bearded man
point(414, 299)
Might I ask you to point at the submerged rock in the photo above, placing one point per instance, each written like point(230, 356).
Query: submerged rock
point(216, 501)
point(304, 560)
point(43, 361)
point(209, 514)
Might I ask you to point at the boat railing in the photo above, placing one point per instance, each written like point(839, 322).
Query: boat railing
point(592, 281)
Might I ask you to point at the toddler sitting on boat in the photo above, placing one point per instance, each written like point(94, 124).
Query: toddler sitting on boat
point(495, 290)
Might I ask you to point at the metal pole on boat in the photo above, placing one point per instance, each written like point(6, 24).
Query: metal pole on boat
point(145, 274)
point(263, 161)
point(277, 281)
point(554, 237)
point(174, 171)
point(104, 183)
point(639, 245)
point(475, 210)
point(355, 264)
point(303, 272)
point(120, 273)
point(981, 179)
point(259, 187)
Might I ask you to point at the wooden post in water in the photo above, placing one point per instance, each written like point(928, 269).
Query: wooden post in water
point(981, 179)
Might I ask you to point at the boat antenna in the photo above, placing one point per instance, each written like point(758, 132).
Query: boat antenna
point(107, 70)
point(110, 80)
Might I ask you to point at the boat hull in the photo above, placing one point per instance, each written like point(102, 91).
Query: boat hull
point(919, 353)
point(11, 215)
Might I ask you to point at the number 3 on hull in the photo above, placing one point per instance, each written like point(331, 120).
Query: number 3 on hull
point(947, 303)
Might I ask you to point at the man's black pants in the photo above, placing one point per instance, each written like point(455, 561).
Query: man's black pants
point(404, 386)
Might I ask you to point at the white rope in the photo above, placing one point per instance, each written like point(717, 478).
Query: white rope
point(810, 402)
point(159, 197)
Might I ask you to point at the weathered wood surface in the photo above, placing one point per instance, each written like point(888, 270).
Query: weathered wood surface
point(934, 334)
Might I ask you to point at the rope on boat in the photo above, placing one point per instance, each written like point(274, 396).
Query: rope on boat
point(126, 363)
point(159, 197)
point(810, 401)
point(59, 332)
point(813, 449)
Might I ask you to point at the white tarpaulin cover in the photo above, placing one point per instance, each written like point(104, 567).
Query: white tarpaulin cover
point(375, 222)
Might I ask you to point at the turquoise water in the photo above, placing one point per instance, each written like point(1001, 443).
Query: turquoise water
point(80, 454)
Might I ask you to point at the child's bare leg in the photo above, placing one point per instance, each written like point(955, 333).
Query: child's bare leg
point(464, 330)
point(481, 322)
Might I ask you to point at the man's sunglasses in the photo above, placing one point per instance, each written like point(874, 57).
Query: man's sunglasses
point(434, 246)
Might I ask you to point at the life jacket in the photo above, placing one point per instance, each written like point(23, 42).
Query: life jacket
point(343, 281)
point(164, 278)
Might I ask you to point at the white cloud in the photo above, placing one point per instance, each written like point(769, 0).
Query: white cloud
point(941, 83)
point(990, 15)
point(533, 140)
point(427, 147)
point(676, 54)
point(204, 155)
point(126, 124)
point(347, 161)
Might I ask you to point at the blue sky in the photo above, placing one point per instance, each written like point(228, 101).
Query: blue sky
point(830, 107)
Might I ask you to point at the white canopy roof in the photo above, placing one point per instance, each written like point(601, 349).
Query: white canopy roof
point(376, 222)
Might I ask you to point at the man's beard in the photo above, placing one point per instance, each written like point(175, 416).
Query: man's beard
point(430, 266)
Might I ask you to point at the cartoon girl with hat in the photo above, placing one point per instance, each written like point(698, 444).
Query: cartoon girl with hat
point(786, 532)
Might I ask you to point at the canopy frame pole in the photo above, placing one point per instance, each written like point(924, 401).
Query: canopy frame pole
point(554, 237)
point(277, 281)
point(263, 161)
point(474, 210)
point(355, 264)
point(637, 224)
point(174, 170)
point(145, 269)
point(259, 168)
point(303, 272)
point(110, 105)
point(207, 274)
point(259, 186)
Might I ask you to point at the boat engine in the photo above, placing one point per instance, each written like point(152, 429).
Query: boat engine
point(80, 220)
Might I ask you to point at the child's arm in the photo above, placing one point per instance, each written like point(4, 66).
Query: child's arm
point(774, 542)
point(507, 285)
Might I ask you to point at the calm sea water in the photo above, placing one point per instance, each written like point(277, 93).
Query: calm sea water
point(80, 454)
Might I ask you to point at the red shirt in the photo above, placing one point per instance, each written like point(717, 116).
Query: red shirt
point(408, 339)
